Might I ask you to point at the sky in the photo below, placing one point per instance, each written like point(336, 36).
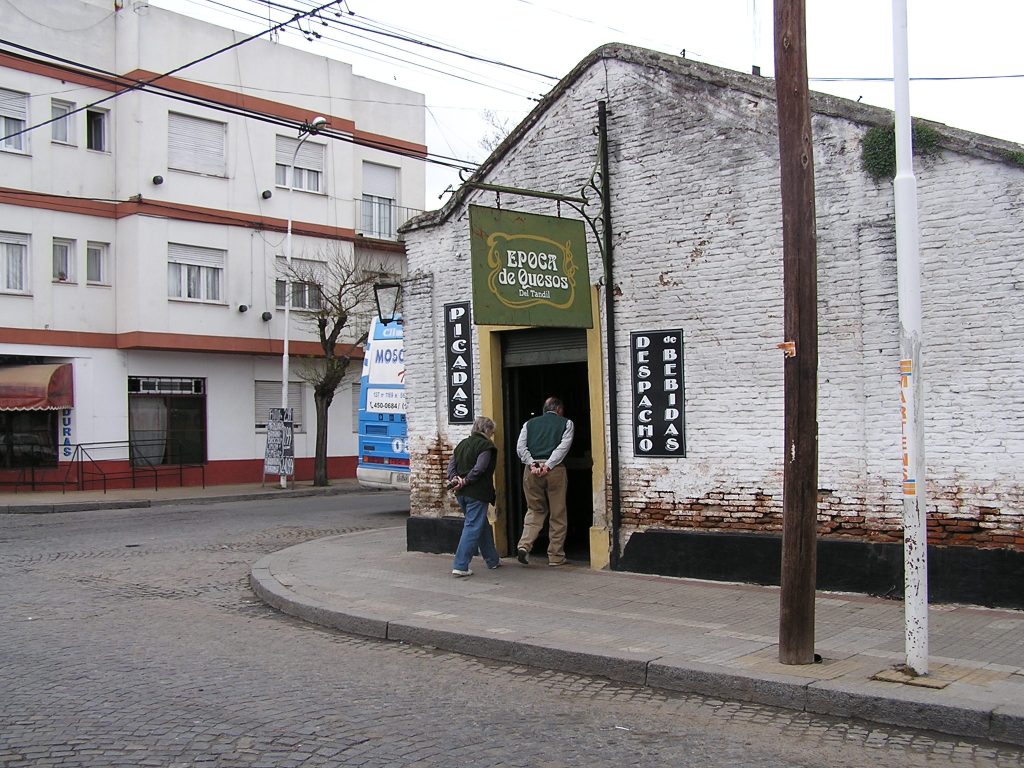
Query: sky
point(946, 39)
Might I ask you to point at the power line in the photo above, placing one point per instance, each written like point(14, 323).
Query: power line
point(149, 86)
point(913, 79)
point(140, 84)
point(406, 38)
point(380, 55)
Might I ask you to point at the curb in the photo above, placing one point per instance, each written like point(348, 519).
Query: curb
point(275, 493)
point(87, 506)
point(72, 506)
point(904, 709)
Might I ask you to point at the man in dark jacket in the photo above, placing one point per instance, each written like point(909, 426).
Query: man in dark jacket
point(471, 474)
point(543, 444)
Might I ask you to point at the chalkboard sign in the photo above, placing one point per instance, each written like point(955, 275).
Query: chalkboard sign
point(279, 458)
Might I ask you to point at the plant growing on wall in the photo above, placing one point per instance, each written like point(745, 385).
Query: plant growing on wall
point(333, 294)
point(878, 148)
point(1017, 158)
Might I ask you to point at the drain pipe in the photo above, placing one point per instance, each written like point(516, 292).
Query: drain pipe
point(609, 318)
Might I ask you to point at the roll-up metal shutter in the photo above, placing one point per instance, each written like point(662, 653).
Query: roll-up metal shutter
point(544, 346)
point(380, 181)
point(268, 395)
point(179, 253)
point(311, 154)
point(13, 104)
point(195, 144)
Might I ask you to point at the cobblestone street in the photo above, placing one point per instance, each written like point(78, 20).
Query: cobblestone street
point(131, 638)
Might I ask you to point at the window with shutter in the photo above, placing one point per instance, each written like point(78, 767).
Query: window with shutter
point(13, 119)
point(194, 273)
point(307, 279)
point(268, 395)
point(380, 195)
point(309, 164)
point(196, 145)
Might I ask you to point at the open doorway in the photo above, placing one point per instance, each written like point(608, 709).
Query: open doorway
point(537, 364)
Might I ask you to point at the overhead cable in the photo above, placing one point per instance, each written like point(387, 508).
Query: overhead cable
point(377, 54)
point(140, 84)
point(149, 86)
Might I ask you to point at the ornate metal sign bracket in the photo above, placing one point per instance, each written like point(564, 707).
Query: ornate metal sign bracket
point(591, 193)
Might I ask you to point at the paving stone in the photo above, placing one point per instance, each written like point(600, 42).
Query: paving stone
point(160, 655)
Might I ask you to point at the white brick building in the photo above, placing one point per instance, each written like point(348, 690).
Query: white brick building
point(142, 237)
point(696, 227)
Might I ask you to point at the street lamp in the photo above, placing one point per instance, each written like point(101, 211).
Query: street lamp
point(387, 296)
point(305, 131)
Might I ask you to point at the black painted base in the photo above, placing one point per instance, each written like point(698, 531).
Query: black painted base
point(436, 535)
point(990, 577)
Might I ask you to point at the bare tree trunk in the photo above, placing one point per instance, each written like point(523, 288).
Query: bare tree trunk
point(322, 403)
point(341, 287)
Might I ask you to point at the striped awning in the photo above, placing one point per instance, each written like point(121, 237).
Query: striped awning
point(36, 387)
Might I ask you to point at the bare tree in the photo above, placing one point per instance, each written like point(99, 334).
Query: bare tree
point(334, 294)
point(498, 129)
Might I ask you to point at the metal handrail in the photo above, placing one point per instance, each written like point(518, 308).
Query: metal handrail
point(84, 452)
point(84, 468)
point(381, 220)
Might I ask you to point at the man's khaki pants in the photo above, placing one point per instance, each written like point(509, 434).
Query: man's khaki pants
point(545, 496)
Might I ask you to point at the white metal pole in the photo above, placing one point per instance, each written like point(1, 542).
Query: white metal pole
point(288, 291)
point(908, 276)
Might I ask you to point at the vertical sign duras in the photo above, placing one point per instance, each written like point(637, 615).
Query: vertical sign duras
point(659, 423)
point(458, 348)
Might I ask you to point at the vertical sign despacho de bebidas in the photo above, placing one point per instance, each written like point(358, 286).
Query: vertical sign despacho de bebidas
point(659, 423)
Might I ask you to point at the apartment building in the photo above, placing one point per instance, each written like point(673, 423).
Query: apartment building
point(142, 234)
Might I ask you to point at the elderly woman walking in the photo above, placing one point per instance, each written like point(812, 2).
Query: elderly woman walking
point(471, 475)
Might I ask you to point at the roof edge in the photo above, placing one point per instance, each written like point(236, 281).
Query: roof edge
point(955, 139)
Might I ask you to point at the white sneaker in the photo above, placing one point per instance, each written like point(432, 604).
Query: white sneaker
point(461, 574)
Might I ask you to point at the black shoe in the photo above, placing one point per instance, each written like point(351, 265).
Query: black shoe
point(523, 556)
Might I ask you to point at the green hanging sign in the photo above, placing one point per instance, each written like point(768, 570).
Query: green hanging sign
point(529, 269)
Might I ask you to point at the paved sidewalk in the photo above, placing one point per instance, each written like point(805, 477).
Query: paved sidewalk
point(43, 502)
point(684, 635)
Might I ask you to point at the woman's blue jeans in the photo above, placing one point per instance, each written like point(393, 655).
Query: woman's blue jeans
point(476, 535)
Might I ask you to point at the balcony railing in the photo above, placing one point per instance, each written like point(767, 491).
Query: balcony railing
point(380, 218)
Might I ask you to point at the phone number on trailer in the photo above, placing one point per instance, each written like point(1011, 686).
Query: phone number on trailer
point(385, 401)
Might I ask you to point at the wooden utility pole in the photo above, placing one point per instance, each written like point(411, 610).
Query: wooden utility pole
point(800, 286)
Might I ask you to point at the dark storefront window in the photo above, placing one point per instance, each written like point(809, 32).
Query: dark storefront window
point(28, 439)
point(167, 420)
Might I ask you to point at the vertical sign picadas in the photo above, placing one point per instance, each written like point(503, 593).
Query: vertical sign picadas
point(659, 425)
point(458, 351)
point(529, 269)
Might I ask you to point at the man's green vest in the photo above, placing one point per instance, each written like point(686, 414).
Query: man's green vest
point(543, 434)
